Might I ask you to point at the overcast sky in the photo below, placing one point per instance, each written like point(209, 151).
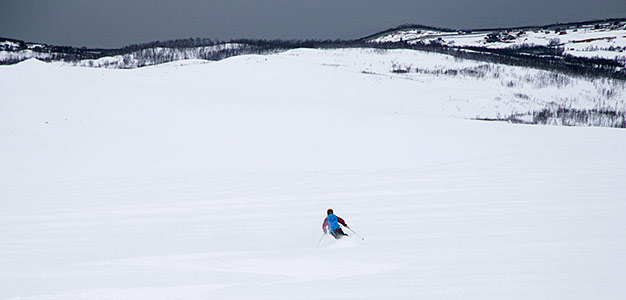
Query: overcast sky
point(115, 23)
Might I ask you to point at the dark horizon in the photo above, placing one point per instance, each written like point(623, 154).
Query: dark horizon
point(116, 23)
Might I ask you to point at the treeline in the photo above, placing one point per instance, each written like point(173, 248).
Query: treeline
point(577, 117)
point(600, 23)
point(553, 59)
point(568, 117)
point(540, 57)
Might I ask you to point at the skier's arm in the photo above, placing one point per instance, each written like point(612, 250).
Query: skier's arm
point(325, 224)
point(342, 222)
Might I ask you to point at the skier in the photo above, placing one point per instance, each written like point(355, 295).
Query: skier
point(333, 222)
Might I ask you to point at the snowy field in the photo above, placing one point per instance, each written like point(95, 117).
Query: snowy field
point(197, 180)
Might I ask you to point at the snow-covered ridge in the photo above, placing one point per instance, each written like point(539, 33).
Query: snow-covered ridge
point(605, 40)
point(9, 45)
point(140, 58)
point(154, 56)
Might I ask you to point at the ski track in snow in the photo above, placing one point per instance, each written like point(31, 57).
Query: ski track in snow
point(210, 181)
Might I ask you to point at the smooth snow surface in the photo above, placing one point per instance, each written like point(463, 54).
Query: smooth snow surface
point(211, 181)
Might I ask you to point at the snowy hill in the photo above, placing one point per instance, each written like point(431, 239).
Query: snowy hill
point(441, 85)
point(594, 48)
point(600, 39)
point(12, 52)
point(210, 180)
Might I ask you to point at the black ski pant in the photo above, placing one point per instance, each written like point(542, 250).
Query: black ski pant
point(338, 233)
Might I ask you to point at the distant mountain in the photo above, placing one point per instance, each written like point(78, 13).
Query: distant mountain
point(602, 39)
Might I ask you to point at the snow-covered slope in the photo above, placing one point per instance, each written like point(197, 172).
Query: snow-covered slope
point(415, 82)
point(599, 40)
point(131, 60)
point(211, 180)
point(152, 56)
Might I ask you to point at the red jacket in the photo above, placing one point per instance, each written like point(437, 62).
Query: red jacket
point(325, 224)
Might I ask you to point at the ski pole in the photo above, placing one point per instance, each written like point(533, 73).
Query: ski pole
point(362, 238)
point(323, 235)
